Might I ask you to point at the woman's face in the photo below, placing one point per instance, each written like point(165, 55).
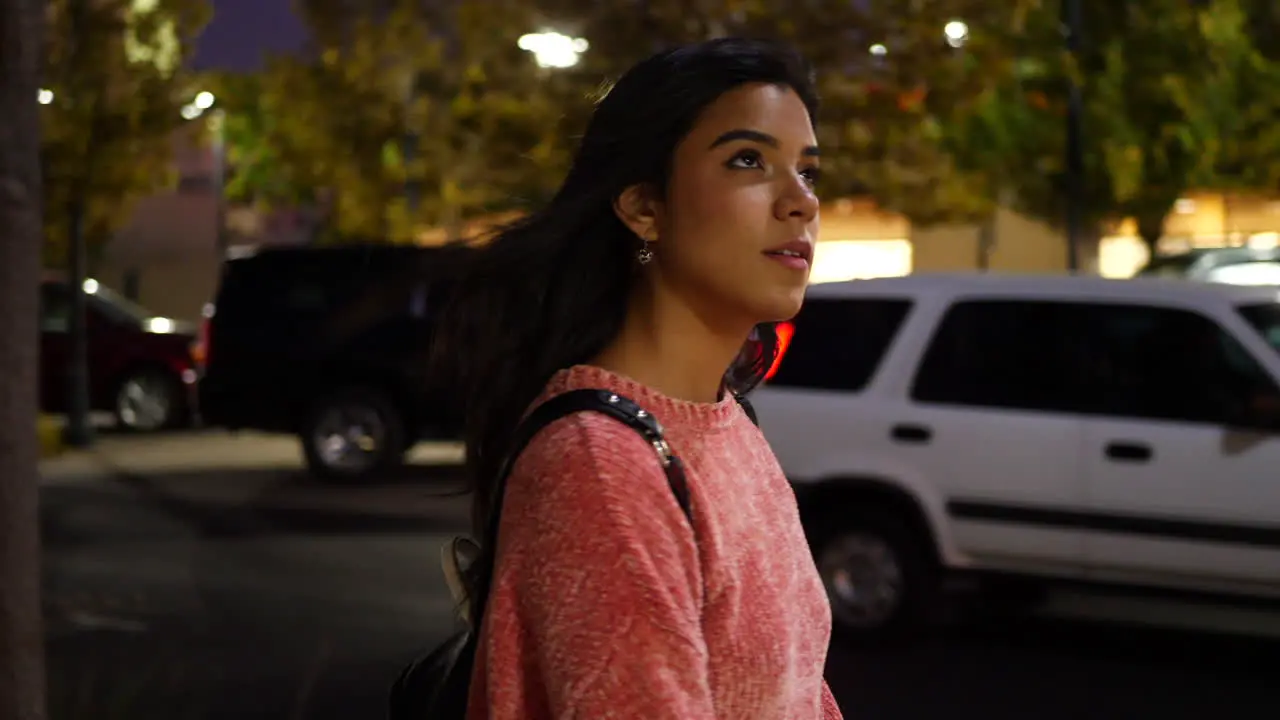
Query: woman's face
point(733, 236)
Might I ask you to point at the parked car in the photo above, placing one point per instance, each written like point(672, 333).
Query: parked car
point(140, 365)
point(1124, 432)
point(1234, 265)
point(331, 344)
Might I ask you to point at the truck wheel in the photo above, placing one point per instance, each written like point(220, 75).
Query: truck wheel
point(352, 435)
point(878, 571)
point(149, 400)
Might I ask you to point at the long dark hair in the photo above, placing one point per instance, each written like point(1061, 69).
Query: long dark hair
point(550, 291)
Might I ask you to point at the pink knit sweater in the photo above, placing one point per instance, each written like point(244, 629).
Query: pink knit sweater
point(606, 604)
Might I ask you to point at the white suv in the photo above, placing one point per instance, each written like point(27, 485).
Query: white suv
point(1113, 431)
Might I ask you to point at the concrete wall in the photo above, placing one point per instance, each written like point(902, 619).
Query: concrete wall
point(1017, 244)
point(169, 243)
point(176, 287)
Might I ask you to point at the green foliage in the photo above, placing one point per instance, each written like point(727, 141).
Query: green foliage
point(405, 106)
point(1176, 96)
point(879, 127)
point(116, 73)
point(919, 124)
point(259, 172)
point(1190, 111)
point(892, 125)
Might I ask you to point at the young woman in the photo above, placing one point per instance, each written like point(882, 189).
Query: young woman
point(684, 228)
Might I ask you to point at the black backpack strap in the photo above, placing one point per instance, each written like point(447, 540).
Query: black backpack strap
point(609, 403)
point(605, 402)
point(618, 407)
point(438, 682)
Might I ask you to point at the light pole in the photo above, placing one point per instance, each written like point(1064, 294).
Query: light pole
point(79, 430)
point(1072, 22)
point(409, 152)
point(203, 103)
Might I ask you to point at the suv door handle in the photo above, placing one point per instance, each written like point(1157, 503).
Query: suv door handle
point(1128, 452)
point(913, 434)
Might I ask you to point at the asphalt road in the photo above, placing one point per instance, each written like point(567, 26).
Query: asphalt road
point(202, 577)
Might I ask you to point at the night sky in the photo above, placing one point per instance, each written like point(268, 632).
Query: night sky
point(242, 32)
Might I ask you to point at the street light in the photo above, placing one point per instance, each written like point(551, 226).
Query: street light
point(45, 96)
point(552, 49)
point(194, 109)
point(879, 50)
point(203, 102)
point(956, 32)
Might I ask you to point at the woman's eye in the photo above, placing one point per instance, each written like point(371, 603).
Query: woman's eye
point(747, 159)
point(811, 175)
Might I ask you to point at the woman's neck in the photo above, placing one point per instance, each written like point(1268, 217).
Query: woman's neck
point(669, 348)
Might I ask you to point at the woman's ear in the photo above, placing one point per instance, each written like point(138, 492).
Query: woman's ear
point(638, 208)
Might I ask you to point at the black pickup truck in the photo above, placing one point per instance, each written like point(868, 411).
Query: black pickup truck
point(330, 344)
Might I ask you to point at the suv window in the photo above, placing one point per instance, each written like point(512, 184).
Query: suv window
point(1169, 364)
point(838, 344)
point(1013, 354)
point(268, 287)
point(115, 308)
point(1130, 361)
point(55, 308)
point(1265, 318)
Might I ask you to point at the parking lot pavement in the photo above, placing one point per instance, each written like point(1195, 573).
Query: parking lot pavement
point(255, 471)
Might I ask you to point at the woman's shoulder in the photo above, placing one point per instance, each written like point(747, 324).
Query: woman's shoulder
point(587, 443)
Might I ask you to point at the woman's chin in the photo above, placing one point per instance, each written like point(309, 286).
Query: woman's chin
point(782, 305)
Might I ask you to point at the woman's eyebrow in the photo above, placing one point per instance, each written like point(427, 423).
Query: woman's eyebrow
point(758, 137)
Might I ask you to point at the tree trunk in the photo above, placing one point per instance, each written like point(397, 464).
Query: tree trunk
point(986, 241)
point(21, 627)
point(1151, 229)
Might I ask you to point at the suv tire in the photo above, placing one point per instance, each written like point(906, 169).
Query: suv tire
point(352, 435)
point(148, 400)
point(878, 572)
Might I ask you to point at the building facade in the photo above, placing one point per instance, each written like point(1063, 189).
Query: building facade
point(167, 255)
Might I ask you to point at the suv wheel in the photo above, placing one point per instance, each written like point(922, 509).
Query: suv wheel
point(353, 434)
point(877, 573)
point(148, 401)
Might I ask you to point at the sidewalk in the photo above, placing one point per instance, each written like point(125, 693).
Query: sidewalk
point(256, 472)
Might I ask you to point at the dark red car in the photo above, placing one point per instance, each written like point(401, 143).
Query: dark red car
point(141, 368)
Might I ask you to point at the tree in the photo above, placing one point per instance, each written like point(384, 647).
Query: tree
point(940, 127)
point(1190, 107)
point(414, 115)
point(116, 82)
point(883, 125)
point(1173, 101)
point(512, 144)
point(260, 171)
point(21, 633)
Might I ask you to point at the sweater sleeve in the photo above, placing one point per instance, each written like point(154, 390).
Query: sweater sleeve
point(605, 572)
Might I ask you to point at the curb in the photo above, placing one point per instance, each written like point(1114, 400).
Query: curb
point(49, 432)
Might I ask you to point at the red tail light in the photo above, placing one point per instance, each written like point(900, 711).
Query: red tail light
point(785, 331)
point(200, 348)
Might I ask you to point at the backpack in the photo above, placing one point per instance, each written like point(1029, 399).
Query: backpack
point(437, 685)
